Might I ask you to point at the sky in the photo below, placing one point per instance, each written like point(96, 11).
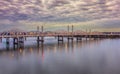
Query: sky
point(26, 15)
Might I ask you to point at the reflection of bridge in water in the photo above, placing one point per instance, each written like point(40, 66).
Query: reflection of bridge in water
point(19, 37)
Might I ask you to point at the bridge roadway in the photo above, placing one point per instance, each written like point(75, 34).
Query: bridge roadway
point(68, 34)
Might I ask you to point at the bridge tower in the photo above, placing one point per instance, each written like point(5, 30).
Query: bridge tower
point(37, 28)
point(86, 36)
point(40, 38)
point(70, 34)
point(89, 34)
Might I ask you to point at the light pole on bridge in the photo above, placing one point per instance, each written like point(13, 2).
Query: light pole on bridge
point(42, 28)
point(38, 29)
point(68, 28)
point(72, 28)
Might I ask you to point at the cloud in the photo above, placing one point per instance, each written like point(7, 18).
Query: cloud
point(59, 9)
point(102, 13)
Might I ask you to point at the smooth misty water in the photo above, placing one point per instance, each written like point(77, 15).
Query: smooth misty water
point(86, 57)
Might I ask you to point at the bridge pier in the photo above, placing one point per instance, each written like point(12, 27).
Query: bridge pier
point(21, 42)
point(60, 38)
point(98, 37)
point(15, 43)
point(78, 38)
point(86, 37)
point(70, 38)
point(7, 43)
point(40, 39)
point(90, 37)
point(95, 37)
point(25, 38)
point(1, 39)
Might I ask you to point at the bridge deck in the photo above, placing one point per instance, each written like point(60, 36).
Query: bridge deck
point(54, 34)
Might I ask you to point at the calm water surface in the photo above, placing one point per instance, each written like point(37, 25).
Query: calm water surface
point(85, 57)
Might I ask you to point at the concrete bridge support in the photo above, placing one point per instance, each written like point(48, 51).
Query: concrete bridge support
point(90, 37)
point(95, 37)
point(1, 39)
point(78, 38)
point(70, 38)
point(25, 38)
point(7, 43)
point(86, 37)
point(21, 42)
point(60, 38)
point(40, 40)
point(15, 43)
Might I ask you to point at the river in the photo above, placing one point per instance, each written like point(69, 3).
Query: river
point(83, 57)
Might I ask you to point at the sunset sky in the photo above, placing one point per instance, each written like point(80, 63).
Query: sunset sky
point(102, 15)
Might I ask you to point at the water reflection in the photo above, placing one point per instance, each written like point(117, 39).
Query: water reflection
point(83, 57)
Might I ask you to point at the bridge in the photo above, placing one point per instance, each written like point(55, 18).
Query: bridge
point(19, 36)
